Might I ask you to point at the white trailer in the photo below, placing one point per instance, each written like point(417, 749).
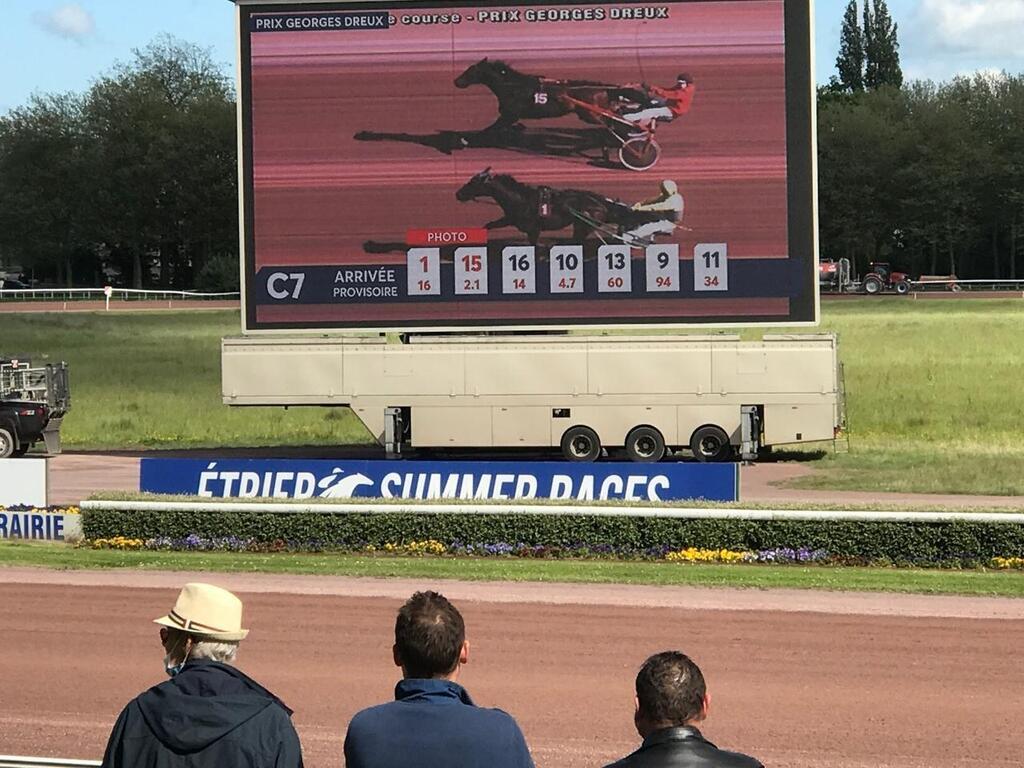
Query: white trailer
point(715, 395)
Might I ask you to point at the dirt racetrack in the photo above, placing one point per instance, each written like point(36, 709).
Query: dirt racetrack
point(829, 681)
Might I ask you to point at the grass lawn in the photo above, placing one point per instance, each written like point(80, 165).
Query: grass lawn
point(152, 380)
point(933, 391)
point(1007, 584)
point(933, 396)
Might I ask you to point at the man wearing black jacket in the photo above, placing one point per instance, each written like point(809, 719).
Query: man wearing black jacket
point(208, 714)
point(671, 698)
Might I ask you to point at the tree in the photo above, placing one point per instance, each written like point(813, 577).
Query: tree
point(864, 146)
point(850, 61)
point(869, 50)
point(137, 175)
point(45, 168)
point(164, 128)
point(881, 47)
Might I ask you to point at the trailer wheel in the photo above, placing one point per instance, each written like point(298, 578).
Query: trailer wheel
point(7, 444)
point(872, 285)
point(710, 444)
point(21, 450)
point(581, 444)
point(902, 287)
point(645, 445)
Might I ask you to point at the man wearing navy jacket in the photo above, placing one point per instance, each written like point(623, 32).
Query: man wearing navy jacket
point(209, 714)
point(433, 723)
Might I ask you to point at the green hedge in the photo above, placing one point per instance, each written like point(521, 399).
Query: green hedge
point(900, 543)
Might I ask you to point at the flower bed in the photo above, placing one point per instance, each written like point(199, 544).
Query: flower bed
point(773, 555)
point(435, 548)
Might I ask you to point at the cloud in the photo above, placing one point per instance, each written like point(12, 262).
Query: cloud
point(979, 27)
point(69, 20)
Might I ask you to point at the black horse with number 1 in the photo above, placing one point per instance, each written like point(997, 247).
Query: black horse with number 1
point(533, 209)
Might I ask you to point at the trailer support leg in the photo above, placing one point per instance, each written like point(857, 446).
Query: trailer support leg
point(394, 430)
point(750, 432)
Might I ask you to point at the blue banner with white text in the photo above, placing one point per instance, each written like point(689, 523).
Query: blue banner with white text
point(474, 480)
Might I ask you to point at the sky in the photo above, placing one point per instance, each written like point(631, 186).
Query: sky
point(51, 46)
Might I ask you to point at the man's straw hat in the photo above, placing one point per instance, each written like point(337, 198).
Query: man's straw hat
point(210, 612)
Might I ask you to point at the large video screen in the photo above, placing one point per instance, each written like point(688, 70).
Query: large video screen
point(501, 165)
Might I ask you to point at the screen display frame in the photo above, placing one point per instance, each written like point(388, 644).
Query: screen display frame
point(801, 181)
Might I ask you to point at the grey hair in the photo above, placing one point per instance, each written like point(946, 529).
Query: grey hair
point(214, 650)
point(223, 651)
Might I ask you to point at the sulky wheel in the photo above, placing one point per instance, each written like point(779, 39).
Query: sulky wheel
point(581, 444)
point(639, 153)
point(645, 445)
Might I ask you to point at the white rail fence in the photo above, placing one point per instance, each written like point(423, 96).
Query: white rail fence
point(968, 285)
point(109, 295)
point(13, 761)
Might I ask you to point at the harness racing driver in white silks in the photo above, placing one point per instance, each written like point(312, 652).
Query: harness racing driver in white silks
point(670, 202)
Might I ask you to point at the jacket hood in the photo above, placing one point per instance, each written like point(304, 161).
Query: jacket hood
point(201, 704)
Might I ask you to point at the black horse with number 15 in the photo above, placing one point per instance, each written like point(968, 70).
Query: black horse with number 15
point(532, 97)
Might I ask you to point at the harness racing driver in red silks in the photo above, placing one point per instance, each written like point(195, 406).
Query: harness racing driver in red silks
point(662, 103)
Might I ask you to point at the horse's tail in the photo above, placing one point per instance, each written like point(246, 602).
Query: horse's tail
point(375, 246)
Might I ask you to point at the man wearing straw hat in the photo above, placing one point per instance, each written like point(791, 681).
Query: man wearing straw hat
point(208, 713)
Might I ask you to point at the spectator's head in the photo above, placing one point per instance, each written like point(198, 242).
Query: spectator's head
point(670, 692)
point(205, 623)
point(430, 637)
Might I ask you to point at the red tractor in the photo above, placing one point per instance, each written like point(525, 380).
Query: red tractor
point(882, 278)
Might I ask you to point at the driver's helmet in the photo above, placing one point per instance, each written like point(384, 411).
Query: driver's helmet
point(669, 187)
point(684, 79)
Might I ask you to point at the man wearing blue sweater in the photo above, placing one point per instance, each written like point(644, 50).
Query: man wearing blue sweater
point(433, 723)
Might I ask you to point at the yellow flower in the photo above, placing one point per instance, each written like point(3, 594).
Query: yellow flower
point(425, 547)
point(118, 542)
point(1007, 563)
point(695, 555)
